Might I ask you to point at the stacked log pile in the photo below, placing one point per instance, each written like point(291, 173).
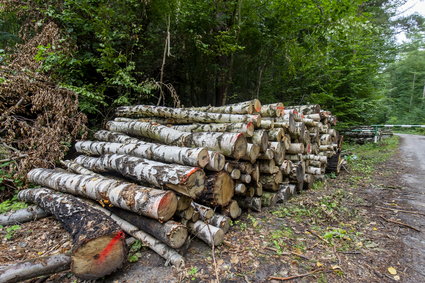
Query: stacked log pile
point(163, 173)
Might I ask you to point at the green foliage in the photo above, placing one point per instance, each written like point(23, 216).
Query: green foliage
point(12, 204)
point(134, 253)
point(10, 231)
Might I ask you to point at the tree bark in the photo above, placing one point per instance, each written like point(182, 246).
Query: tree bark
point(109, 136)
point(185, 114)
point(246, 107)
point(272, 110)
point(246, 128)
point(186, 180)
point(23, 215)
point(77, 168)
point(197, 157)
point(98, 245)
point(207, 233)
point(145, 201)
point(220, 221)
point(172, 233)
point(32, 268)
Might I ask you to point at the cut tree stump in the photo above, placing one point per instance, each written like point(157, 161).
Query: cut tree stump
point(98, 246)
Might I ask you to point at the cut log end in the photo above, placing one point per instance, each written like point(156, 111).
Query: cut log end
point(99, 257)
point(240, 147)
point(203, 158)
point(167, 206)
point(257, 105)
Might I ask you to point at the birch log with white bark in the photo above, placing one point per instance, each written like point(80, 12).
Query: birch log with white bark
point(98, 246)
point(35, 267)
point(185, 114)
point(252, 152)
point(240, 189)
point(77, 168)
point(23, 215)
point(149, 202)
point(220, 221)
point(246, 107)
point(306, 109)
point(229, 144)
point(276, 134)
point(186, 180)
point(245, 167)
point(172, 233)
point(272, 110)
point(204, 211)
point(197, 157)
point(246, 128)
point(296, 148)
point(109, 136)
point(207, 233)
point(169, 254)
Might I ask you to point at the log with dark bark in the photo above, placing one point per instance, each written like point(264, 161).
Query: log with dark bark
point(219, 189)
point(172, 233)
point(23, 215)
point(36, 267)
point(149, 202)
point(185, 115)
point(186, 180)
point(98, 242)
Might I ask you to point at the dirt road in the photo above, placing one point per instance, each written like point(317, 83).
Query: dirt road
point(412, 149)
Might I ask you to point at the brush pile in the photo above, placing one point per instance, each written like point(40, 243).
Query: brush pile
point(162, 173)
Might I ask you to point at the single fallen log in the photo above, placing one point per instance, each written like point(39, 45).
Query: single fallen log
point(186, 180)
point(246, 107)
point(32, 268)
point(207, 233)
point(246, 128)
point(98, 243)
point(184, 115)
point(23, 215)
point(145, 201)
point(172, 233)
point(169, 254)
point(219, 189)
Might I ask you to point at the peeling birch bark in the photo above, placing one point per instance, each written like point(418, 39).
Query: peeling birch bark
point(149, 202)
point(92, 232)
point(186, 180)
